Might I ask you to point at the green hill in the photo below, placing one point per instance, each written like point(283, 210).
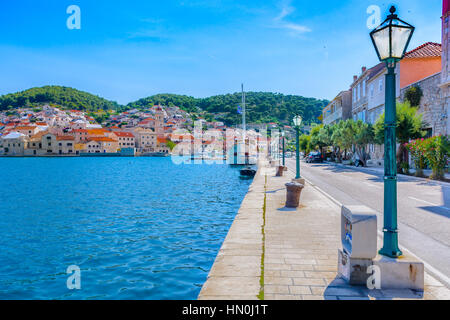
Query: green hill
point(67, 97)
point(262, 107)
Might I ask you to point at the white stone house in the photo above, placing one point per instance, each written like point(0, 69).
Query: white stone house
point(13, 144)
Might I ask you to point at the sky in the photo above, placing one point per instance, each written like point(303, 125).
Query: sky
point(127, 50)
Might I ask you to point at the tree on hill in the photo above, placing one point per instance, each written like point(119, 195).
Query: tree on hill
point(56, 95)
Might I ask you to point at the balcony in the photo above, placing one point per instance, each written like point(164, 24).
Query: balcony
point(331, 118)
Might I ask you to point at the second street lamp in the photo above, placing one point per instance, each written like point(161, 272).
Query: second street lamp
point(297, 123)
point(284, 155)
point(391, 40)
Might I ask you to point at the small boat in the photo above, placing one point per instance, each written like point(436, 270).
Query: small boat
point(248, 172)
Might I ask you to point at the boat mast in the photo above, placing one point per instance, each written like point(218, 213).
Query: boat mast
point(244, 125)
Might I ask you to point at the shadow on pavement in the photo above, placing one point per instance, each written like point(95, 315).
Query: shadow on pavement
point(437, 210)
point(341, 290)
point(286, 209)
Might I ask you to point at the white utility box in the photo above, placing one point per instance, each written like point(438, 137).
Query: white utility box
point(359, 243)
point(359, 232)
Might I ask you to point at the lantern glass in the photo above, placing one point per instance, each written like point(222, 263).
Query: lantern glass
point(392, 37)
point(400, 39)
point(381, 40)
point(297, 121)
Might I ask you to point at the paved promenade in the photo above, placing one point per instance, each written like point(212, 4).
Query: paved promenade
point(298, 247)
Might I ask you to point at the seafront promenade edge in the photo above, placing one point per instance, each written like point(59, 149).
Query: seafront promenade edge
point(295, 251)
point(236, 273)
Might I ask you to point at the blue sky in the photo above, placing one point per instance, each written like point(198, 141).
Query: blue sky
point(131, 49)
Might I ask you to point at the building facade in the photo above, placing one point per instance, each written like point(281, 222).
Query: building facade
point(445, 73)
point(340, 108)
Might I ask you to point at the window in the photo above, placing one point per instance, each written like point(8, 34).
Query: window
point(371, 90)
point(364, 88)
point(359, 91)
point(380, 85)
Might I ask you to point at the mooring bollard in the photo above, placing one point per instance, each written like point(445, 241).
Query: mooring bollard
point(280, 171)
point(294, 190)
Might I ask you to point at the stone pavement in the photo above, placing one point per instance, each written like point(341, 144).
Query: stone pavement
point(298, 248)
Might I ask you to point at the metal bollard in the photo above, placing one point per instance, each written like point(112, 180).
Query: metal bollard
point(280, 171)
point(294, 190)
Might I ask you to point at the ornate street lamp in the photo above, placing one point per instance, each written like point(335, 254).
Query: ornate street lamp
point(297, 123)
point(391, 40)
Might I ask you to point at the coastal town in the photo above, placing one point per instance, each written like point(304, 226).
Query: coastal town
point(52, 131)
point(304, 187)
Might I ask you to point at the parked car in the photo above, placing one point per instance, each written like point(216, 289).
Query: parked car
point(314, 157)
point(357, 161)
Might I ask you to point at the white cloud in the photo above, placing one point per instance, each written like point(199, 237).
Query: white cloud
point(280, 21)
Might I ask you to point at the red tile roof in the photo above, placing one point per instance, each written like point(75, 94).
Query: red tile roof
point(65, 138)
point(124, 134)
point(104, 139)
point(427, 50)
point(25, 128)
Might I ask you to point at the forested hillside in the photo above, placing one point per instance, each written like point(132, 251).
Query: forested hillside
point(262, 107)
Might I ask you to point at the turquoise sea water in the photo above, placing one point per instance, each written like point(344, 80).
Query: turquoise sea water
point(139, 228)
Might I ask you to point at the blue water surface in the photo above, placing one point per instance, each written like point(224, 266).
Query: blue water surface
point(139, 228)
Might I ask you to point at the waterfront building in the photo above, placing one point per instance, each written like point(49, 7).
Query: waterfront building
point(13, 144)
point(49, 143)
point(145, 140)
point(34, 145)
point(102, 145)
point(125, 139)
point(65, 145)
point(340, 108)
point(162, 145)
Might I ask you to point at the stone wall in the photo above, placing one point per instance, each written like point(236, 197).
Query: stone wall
point(432, 105)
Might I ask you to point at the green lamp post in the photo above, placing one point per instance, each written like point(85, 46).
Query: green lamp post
point(391, 40)
point(297, 123)
point(284, 152)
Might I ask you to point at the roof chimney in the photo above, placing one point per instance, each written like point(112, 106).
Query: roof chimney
point(363, 69)
point(355, 78)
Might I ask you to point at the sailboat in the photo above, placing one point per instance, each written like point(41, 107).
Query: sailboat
point(239, 154)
